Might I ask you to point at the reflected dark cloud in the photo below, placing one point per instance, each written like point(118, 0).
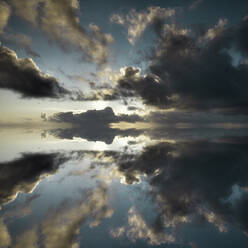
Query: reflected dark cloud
point(194, 180)
point(98, 133)
point(184, 131)
point(197, 125)
point(94, 117)
point(193, 183)
point(23, 174)
point(93, 125)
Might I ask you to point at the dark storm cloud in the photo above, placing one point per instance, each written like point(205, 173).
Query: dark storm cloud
point(180, 125)
point(193, 180)
point(146, 87)
point(94, 117)
point(93, 125)
point(198, 70)
point(22, 174)
point(200, 76)
point(24, 77)
point(198, 119)
point(192, 69)
point(200, 125)
point(243, 36)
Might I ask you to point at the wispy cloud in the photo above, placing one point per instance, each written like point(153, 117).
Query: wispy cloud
point(137, 22)
point(59, 20)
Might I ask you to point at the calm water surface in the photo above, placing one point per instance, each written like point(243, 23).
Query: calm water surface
point(136, 191)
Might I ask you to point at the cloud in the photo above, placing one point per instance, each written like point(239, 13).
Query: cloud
point(137, 229)
point(192, 70)
point(196, 119)
point(5, 12)
point(74, 77)
point(137, 22)
point(5, 239)
point(201, 77)
point(61, 227)
point(212, 33)
point(104, 125)
point(28, 10)
point(59, 20)
point(128, 83)
point(23, 76)
point(23, 174)
point(99, 133)
point(147, 87)
point(102, 117)
point(27, 239)
point(96, 95)
point(23, 209)
point(93, 125)
point(20, 41)
point(242, 37)
point(43, 116)
point(195, 4)
point(192, 181)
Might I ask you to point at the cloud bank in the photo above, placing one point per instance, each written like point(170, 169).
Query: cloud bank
point(93, 125)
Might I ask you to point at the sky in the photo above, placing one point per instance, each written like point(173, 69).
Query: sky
point(123, 123)
point(88, 49)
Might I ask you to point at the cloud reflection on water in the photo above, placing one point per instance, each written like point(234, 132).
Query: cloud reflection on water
point(187, 185)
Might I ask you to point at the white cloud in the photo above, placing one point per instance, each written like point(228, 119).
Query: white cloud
point(137, 228)
point(137, 22)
